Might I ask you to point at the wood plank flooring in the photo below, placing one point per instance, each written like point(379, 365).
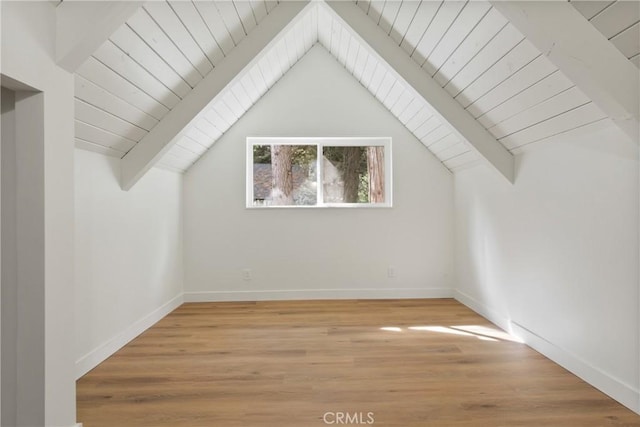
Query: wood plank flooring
point(401, 363)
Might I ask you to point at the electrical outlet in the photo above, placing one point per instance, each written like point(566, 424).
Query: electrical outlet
point(391, 271)
point(246, 274)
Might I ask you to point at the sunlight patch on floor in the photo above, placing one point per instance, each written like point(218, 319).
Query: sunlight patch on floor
point(391, 329)
point(475, 331)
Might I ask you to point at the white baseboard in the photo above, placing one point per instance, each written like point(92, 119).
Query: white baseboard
point(99, 354)
point(481, 309)
point(613, 387)
point(310, 294)
point(609, 385)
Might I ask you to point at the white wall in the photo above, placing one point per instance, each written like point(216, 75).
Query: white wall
point(128, 255)
point(9, 294)
point(555, 256)
point(28, 37)
point(328, 253)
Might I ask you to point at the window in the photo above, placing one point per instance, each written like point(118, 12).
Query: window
point(318, 172)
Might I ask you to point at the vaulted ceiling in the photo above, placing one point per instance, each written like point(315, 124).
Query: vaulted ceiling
point(618, 21)
point(458, 74)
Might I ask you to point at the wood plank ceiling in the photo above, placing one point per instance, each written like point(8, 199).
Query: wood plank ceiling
point(240, 95)
point(618, 21)
point(153, 61)
point(488, 66)
point(472, 51)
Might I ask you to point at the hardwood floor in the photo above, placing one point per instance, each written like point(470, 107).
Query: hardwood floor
point(401, 363)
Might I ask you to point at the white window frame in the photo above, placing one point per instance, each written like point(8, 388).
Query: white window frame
point(320, 143)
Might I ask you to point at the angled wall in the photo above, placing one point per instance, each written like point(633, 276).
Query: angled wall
point(317, 253)
point(128, 246)
point(554, 258)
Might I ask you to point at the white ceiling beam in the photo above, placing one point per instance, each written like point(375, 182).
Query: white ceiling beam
point(407, 71)
point(583, 54)
point(164, 135)
point(83, 26)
